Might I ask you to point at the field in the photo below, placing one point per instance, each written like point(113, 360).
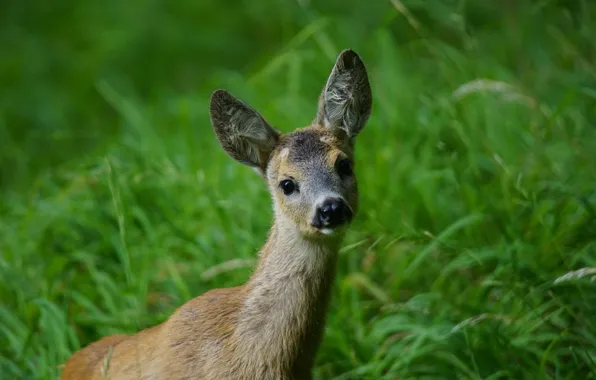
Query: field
point(474, 252)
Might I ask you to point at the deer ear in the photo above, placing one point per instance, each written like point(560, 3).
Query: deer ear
point(346, 101)
point(242, 131)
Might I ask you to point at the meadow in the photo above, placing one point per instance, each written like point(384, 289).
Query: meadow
point(474, 252)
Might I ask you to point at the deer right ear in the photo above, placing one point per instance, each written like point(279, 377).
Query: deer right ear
point(242, 131)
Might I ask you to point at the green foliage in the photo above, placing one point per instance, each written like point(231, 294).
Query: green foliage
point(476, 171)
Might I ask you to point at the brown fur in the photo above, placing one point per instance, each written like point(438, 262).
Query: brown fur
point(270, 327)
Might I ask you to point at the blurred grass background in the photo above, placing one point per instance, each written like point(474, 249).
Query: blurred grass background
point(473, 256)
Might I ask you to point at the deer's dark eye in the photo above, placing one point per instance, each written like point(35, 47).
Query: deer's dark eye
point(344, 167)
point(287, 186)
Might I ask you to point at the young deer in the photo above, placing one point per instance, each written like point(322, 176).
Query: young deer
point(270, 327)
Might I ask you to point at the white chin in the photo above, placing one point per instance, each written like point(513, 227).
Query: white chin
point(327, 231)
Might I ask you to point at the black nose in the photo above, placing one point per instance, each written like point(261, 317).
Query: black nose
point(332, 213)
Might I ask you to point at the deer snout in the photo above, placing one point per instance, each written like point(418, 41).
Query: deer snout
point(333, 212)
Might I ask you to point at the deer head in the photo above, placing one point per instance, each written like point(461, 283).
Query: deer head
point(309, 171)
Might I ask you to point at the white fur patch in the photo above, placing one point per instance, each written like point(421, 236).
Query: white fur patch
point(326, 140)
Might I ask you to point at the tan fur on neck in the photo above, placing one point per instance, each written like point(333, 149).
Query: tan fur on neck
point(268, 328)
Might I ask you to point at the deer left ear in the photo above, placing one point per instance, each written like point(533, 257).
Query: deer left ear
point(346, 101)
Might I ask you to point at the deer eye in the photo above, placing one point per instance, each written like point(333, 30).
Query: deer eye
point(344, 167)
point(287, 186)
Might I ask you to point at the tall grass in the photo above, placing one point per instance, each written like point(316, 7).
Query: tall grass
point(473, 256)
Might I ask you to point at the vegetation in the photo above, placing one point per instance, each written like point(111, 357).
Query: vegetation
point(473, 256)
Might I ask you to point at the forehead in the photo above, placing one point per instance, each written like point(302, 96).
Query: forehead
point(309, 144)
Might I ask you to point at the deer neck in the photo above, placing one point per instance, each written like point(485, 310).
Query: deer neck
point(284, 310)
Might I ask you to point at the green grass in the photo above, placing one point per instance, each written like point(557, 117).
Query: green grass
point(118, 204)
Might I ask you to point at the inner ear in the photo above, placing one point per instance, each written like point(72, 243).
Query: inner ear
point(242, 132)
point(346, 100)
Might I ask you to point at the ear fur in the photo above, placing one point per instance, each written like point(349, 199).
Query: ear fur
point(242, 132)
point(346, 100)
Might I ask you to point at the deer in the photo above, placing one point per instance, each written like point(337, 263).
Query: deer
point(271, 327)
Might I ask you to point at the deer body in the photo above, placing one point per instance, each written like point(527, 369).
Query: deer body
point(270, 327)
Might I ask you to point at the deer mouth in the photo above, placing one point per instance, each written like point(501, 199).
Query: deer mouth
point(328, 231)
